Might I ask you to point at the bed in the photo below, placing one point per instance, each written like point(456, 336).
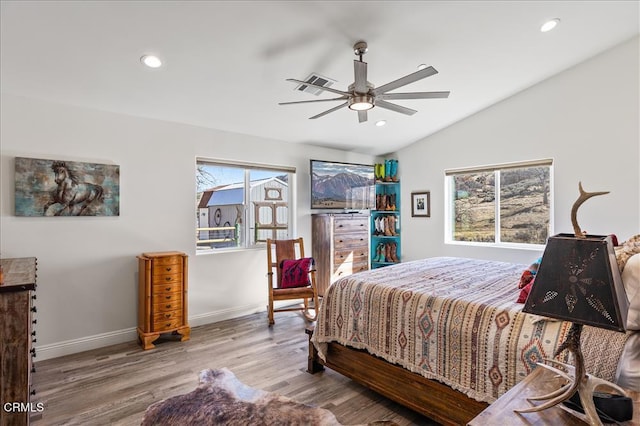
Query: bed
point(444, 336)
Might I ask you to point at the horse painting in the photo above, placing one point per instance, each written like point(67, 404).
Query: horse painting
point(72, 197)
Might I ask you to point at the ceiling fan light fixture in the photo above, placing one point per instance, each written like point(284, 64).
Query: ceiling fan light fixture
point(361, 102)
point(549, 25)
point(151, 61)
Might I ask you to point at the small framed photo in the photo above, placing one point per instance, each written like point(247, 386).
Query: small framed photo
point(421, 204)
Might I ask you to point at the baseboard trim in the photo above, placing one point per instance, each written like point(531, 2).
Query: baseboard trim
point(82, 344)
point(225, 314)
point(96, 341)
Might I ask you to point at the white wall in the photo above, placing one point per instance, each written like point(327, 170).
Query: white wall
point(87, 270)
point(586, 119)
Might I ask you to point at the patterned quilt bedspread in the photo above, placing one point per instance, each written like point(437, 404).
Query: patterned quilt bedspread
point(450, 319)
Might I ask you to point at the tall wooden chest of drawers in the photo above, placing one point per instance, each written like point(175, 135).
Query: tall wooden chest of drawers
point(340, 246)
point(16, 338)
point(162, 296)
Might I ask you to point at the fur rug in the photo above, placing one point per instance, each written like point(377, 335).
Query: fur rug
point(221, 399)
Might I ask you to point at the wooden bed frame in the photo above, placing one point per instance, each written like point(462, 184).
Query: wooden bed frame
point(431, 398)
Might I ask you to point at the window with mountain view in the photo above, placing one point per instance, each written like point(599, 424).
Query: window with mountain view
point(506, 204)
point(241, 205)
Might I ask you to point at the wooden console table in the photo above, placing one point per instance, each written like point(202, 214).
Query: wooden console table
point(541, 381)
point(16, 337)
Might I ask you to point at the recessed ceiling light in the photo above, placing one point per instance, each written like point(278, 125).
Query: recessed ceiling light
point(422, 66)
point(381, 123)
point(549, 25)
point(151, 61)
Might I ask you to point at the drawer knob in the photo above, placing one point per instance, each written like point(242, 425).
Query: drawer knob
point(168, 288)
point(168, 324)
point(168, 268)
point(168, 305)
point(167, 315)
point(168, 278)
point(168, 297)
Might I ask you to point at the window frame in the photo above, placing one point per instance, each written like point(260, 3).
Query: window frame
point(246, 228)
point(496, 169)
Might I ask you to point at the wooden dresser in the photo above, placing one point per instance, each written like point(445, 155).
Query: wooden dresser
point(16, 338)
point(162, 296)
point(340, 246)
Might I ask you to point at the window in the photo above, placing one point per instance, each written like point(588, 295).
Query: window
point(505, 204)
point(240, 205)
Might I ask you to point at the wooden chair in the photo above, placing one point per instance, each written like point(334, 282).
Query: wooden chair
point(277, 251)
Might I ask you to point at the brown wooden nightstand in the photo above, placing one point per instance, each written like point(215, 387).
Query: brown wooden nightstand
point(540, 382)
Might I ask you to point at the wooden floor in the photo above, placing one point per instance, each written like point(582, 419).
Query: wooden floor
point(115, 385)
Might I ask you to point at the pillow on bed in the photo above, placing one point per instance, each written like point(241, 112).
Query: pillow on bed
point(627, 249)
point(526, 280)
point(295, 272)
point(524, 292)
point(529, 274)
point(631, 280)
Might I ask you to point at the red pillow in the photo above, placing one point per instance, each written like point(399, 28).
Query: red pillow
point(526, 278)
point(529, 274)
point(524, 293)
point(295, 272)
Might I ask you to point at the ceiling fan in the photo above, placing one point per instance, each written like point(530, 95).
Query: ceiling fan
point(361, 96)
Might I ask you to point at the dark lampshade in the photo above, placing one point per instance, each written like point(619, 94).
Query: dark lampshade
point(578, 280)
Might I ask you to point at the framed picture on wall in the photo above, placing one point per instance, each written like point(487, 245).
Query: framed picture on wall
point(421, 204)
point(66, 188)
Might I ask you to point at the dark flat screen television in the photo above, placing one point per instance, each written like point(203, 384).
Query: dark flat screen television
point(346, 186)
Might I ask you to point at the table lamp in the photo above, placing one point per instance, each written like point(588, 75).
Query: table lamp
point(578, 280)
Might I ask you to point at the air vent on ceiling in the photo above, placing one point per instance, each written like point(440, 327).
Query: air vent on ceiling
point(315, 79)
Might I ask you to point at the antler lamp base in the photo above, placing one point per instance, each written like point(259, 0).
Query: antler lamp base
point(577, 381)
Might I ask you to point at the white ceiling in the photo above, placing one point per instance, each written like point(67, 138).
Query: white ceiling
point(226, 62)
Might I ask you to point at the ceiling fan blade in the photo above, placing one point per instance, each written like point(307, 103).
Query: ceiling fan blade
point(394, 107)
point(413, 95)
point(313, 100)
point(360, 72)
point(322, 114)
point(407, 79)
point(362, 116)
point(328, 89)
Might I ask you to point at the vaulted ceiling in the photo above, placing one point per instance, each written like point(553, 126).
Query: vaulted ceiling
point(225, 63)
